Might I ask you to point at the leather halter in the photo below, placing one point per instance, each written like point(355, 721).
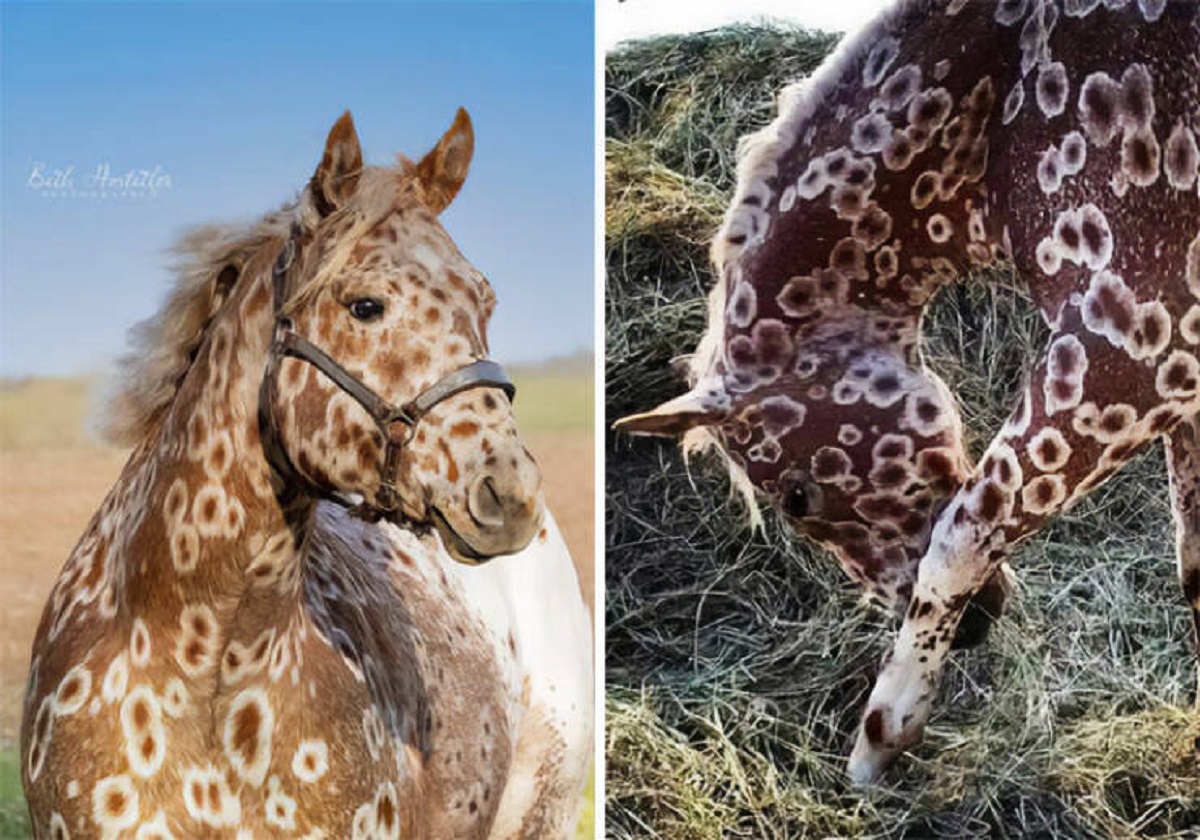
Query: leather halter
point(287, 342)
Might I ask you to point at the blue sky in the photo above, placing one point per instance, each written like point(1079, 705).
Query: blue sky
point(232, 102)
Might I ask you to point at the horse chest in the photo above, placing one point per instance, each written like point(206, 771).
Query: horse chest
point(437, 678)
point(299, 742)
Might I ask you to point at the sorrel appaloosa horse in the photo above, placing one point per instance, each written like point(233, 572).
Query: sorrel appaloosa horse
point(230, 651)
point(951, 134)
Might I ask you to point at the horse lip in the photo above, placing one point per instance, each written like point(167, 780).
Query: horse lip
point(455, 543)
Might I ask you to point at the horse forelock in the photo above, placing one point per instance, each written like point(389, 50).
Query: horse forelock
point(381, 193)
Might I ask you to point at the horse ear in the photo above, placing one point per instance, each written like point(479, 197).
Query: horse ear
point(336, 179)
point(443, 170)
point(672, 418)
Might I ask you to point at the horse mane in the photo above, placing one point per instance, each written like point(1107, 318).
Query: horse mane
point(759, 154)
point(163, 347)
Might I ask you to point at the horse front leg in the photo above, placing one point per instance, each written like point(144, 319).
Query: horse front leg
point(1068, 437)
point(1183, 468)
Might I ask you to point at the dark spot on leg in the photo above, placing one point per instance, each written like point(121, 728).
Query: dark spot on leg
point(990, 500)
point(873, 727)
point(1191, 587)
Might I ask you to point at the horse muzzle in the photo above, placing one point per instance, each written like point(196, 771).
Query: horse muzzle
point(495, 518)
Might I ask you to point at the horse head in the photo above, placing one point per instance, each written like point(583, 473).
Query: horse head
point(812, 384)
point(378, 384)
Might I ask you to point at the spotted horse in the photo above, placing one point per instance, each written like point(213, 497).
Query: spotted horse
point(945, 136)
point(262, 632)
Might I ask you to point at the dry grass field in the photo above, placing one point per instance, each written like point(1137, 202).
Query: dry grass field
point(53, 476)
point(738, 662)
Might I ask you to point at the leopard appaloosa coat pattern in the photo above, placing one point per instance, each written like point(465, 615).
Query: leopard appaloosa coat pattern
point(276, 624)
point(1059, 135)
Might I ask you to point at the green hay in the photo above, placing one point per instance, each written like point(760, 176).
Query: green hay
point(738, 662)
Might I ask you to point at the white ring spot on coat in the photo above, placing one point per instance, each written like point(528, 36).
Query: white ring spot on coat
point(116, 678)
point(310, 761)
point(73, 691)
point(1044, 494)
point(115, 804)
point(1049, 450)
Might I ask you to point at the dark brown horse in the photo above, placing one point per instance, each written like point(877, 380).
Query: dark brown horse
point(948, 135)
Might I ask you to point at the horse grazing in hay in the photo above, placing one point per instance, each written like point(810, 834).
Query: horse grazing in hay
point(947, 135)
point(230, 651)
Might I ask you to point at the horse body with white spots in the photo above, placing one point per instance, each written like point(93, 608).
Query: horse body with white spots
point(231, 651)
point(949, 135)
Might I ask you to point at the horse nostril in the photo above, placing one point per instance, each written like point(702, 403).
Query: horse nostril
point(484, 505)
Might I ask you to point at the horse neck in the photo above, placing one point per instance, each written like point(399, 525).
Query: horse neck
point(869, 193)
point(212, 532)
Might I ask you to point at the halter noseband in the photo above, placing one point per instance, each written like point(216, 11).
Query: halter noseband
point(287, 342)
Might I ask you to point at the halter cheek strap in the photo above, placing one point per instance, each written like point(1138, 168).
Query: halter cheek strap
point(483, 373)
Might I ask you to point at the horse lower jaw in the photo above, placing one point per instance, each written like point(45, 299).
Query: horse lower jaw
point(454, 543)
point(465, 549)
point(867, 764)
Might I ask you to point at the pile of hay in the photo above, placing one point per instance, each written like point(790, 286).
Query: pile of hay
point(738, 662)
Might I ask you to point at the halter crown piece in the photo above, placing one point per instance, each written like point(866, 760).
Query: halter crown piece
point(287, 342)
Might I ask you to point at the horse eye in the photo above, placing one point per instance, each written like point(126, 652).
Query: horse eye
point(366, 309)
point(795, 503)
